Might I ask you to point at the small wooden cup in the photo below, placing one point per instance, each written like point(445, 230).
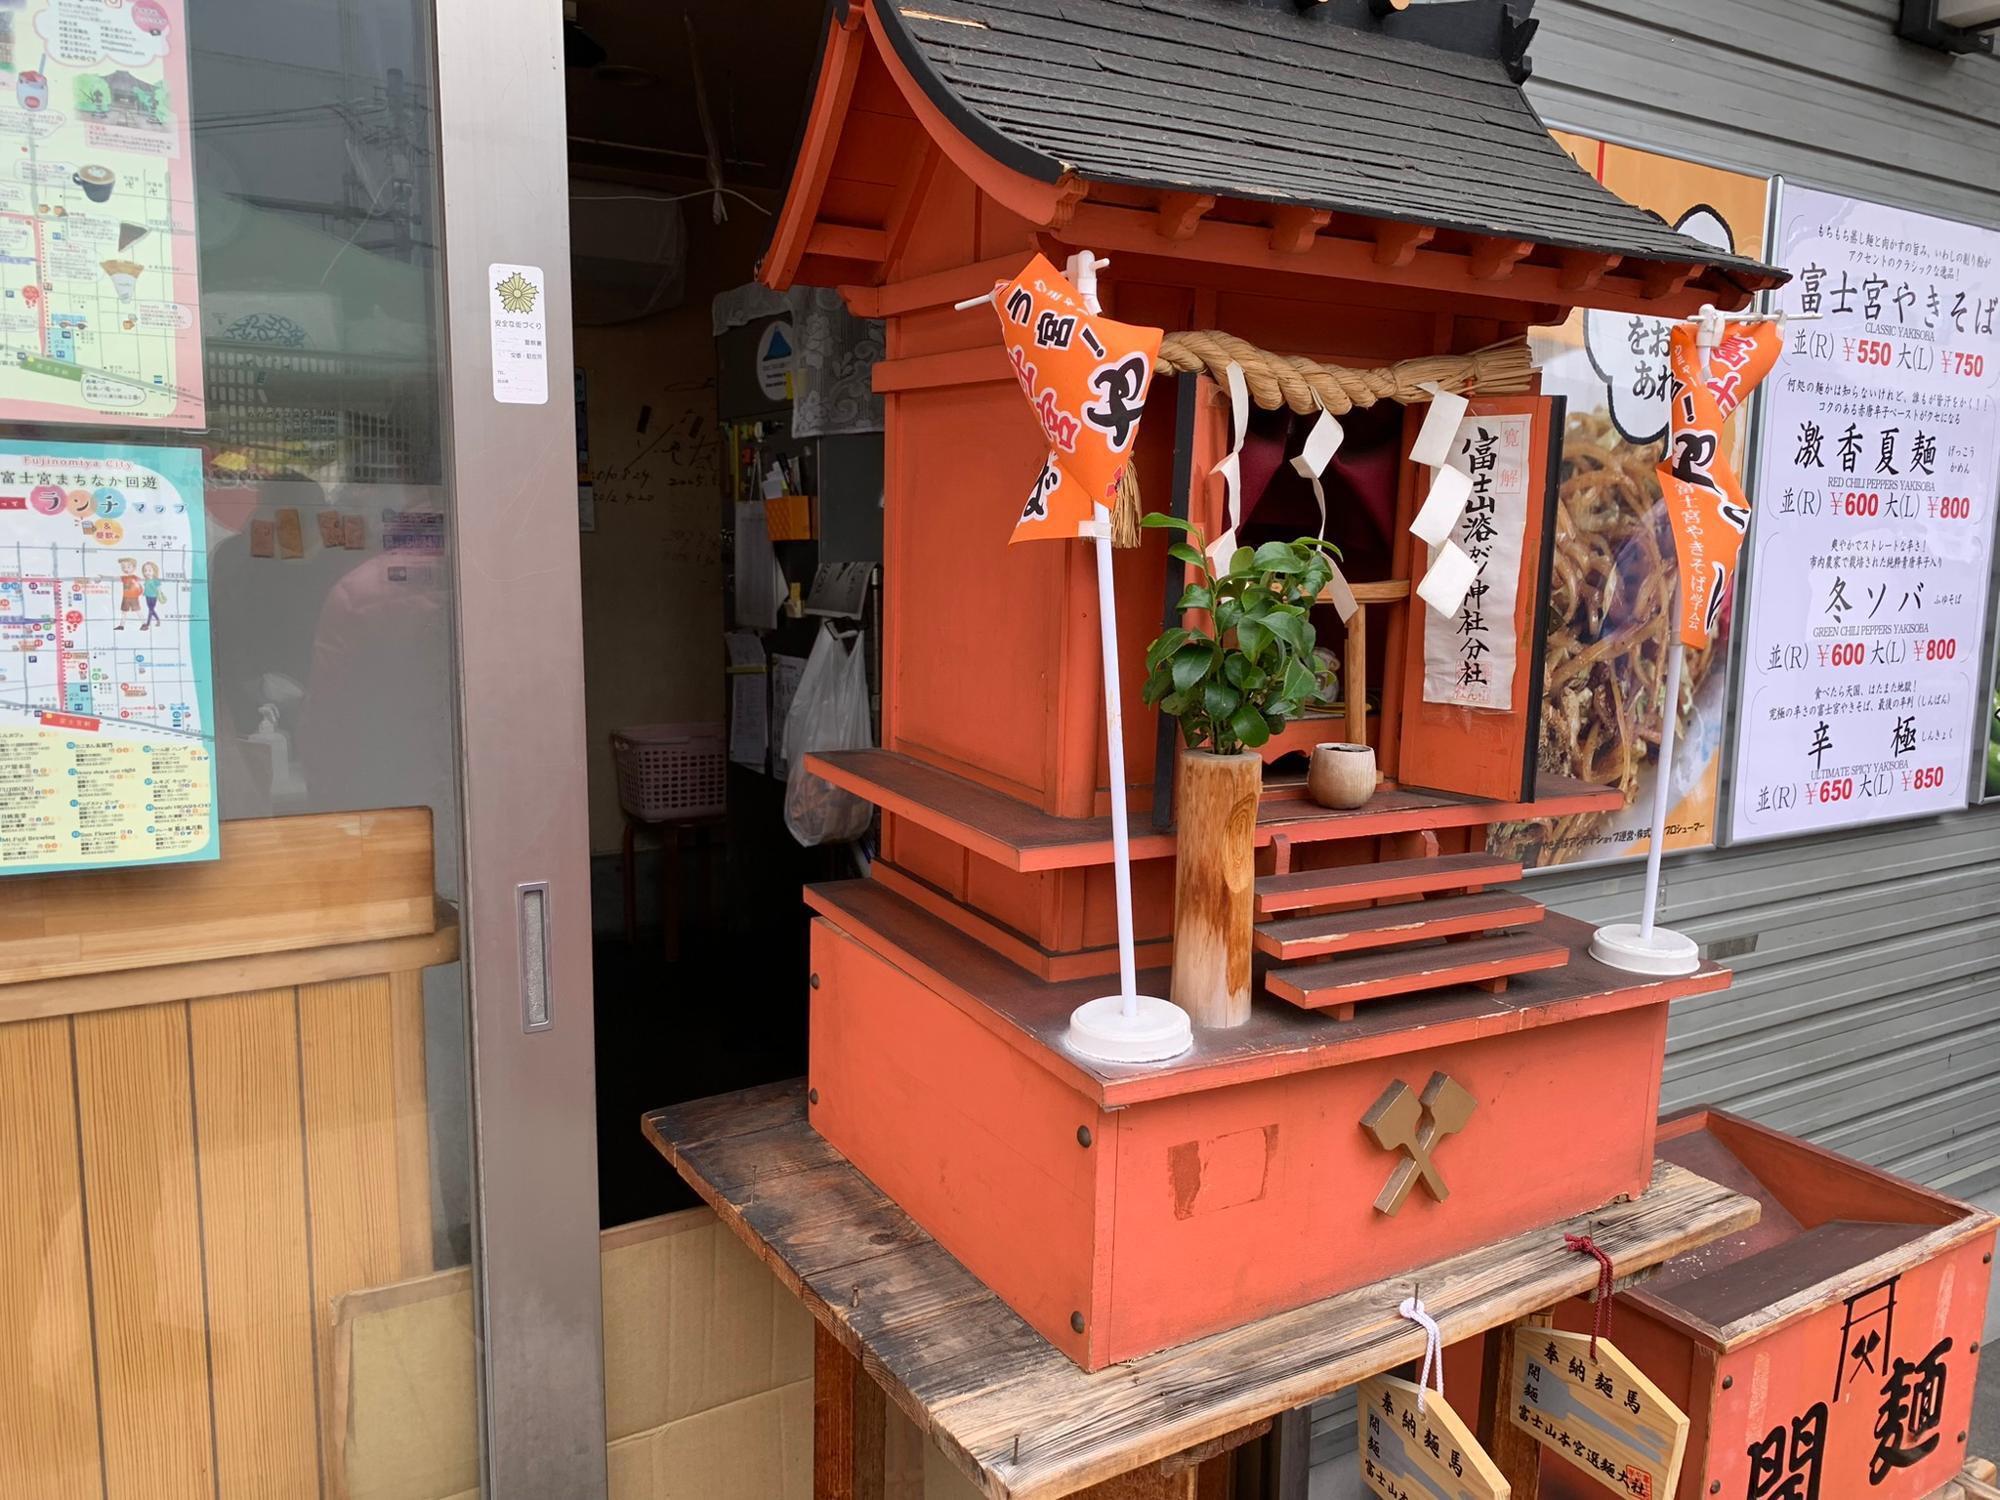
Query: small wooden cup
point(1342, 774)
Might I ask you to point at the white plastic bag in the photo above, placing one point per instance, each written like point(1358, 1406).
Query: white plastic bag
point(830, 712)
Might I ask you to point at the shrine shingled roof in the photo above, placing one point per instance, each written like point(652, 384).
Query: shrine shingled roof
point(1417, 116)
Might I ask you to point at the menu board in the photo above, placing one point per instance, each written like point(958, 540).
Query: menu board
point(99, 314)
point(1871, 535)
point(107, 738)
point(1611, 579)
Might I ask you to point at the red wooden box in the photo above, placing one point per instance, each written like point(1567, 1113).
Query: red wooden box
point(1122, 1210)
point(1846, 1323)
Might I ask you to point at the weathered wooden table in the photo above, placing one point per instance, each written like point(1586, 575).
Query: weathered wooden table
point(898, 1317)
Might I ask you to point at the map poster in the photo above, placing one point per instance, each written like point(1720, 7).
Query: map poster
point(1870, 559)
point(107, 733)
point(99, 315)
point(1613, 574)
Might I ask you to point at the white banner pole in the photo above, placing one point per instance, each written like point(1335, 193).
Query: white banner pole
point(1128, 1026)
point(1114, 749)
point(1663, 777)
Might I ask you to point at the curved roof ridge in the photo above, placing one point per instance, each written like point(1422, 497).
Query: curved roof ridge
point(1255, 100)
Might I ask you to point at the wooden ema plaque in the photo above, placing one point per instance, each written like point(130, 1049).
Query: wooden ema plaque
point(1598, 1410)
point(1408, 1454)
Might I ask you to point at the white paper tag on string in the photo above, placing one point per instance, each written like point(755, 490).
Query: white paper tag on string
point(1231, 470)
point(1321, 444)
point(1310, 462)
point(1433, 443)
point(1220, 551)
point(1239, 403)
point(1450, 489)
point(1339, 595)
point(1231, 467)
point(1451, 574)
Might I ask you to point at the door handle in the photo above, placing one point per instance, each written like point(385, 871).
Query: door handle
point(533, 929)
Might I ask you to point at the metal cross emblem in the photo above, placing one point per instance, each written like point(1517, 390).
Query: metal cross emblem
point(1401, 1121)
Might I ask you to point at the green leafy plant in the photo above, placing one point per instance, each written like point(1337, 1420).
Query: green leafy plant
point(1234, 686)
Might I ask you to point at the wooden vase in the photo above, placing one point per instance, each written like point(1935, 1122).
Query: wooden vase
point(1342, 775)
point(1215, 811)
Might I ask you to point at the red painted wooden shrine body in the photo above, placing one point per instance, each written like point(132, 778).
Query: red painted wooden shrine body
point(1120, 1210)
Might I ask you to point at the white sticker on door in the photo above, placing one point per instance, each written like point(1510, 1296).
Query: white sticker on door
point(517, 312)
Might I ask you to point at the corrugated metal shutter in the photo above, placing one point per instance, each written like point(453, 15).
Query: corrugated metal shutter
point(1868, 964)
point(1863, 1012)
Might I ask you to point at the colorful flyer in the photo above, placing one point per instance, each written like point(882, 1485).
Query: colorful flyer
point(99, 295)
point(1863, 695)
point(1613, 572)
point(107, 729)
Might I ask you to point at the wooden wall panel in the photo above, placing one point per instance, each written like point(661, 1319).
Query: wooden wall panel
point(184, 1188)
point(413, 1121)
point(203, 1141)
point(253, 1201)
point(281, 885)
point(145, 1253)
point(47, 1383)
point(348, 1076)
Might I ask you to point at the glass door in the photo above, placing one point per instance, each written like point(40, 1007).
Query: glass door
point(296, 1125)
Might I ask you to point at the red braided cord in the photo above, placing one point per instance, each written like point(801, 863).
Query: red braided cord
point(1582, 1244)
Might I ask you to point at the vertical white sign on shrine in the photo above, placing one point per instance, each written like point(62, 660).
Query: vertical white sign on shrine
point(1872, 528)
point(1470, 656)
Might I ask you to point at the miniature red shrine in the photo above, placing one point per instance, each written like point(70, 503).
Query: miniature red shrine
point(1319, 198)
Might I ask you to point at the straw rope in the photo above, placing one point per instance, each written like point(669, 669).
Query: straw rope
point(1293, 380)
point(1275, 380)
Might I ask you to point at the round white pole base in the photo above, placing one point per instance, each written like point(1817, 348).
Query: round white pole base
point(1623, 945)
point(1100, 1030)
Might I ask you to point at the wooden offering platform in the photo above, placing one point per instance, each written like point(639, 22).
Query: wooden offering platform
point(898, 1315)
point(1020, 837)
point(1123, 1209)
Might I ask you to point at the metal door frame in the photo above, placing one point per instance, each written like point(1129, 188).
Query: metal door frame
point(504, 171)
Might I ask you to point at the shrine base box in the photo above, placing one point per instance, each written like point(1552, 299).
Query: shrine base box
point(1835, 1343)
point(1121, 1210)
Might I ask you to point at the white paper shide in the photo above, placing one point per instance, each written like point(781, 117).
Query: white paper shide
point(1470, 653)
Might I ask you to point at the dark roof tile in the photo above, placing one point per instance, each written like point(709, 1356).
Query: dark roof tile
point(1252, 99)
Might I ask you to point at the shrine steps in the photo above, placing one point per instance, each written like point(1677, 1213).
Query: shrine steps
point(1441, 927)
point(1297, 889)
point(1338, 984)
point(1404, 922)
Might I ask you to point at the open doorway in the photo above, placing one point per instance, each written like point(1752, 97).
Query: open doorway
point(689, 389)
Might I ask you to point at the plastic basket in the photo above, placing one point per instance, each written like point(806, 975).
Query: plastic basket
point(669, 772)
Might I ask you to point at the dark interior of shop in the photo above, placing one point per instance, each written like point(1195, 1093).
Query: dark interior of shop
point(682, 125)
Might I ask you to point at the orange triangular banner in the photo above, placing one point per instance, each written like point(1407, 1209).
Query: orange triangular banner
point(1086, 378)
point(1705, 500)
